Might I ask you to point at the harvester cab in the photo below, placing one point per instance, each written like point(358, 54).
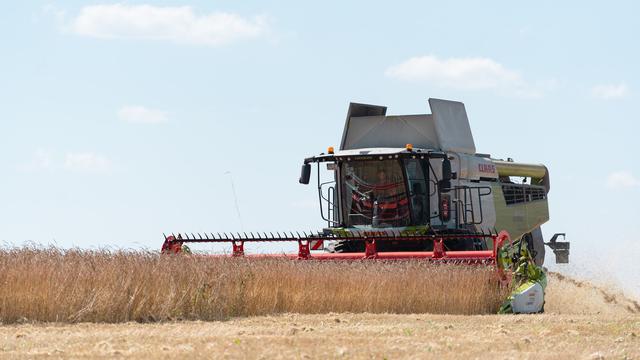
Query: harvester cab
point(394, 190)
point(420, 174)
point(413, 187)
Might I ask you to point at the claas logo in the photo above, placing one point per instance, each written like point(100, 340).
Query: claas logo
point(487, 168)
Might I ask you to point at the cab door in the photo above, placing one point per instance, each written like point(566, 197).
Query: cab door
point(418, 191)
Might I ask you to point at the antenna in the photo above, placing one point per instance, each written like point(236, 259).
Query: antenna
point(235, 198)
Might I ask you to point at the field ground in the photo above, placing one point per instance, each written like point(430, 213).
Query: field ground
point(581, 321)
point(339, 335)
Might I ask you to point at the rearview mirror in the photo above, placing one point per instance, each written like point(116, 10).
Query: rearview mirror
point(445, 183)
point(446, 169)
point(305, 174)
point(444, 186)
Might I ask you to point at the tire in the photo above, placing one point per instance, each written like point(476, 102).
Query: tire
point(342, 246)
point(535, 245)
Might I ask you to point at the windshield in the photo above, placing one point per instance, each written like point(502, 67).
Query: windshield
point(374, 194)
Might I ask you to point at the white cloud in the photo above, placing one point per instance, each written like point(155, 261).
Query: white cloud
point(141, 114)
point(87, 162)
point(177, 24)
point(471, 73)
point(622, 179)
point(462, 73)
point(610, 91)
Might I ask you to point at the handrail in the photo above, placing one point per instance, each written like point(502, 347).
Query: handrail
point(464, 209)
point(321, 197)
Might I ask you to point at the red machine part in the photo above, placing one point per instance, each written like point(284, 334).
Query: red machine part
point(444, 208)
point(370, 251)
point(238, 248)
point(173, 245)
point(303, 249)
point(438, 249)
point(499, 241)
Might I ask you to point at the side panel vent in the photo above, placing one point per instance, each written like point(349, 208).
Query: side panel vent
point(516, 194)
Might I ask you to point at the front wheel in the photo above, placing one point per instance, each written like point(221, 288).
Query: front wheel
point(535, 245)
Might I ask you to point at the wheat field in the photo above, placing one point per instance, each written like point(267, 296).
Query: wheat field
point(54, 285)
point(104, 304)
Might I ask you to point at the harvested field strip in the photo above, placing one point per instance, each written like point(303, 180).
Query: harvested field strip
point(53, 285)
point(336, 336)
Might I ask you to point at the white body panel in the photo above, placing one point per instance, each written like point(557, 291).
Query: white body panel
point(529, 301)
point(473, 167)
point(452, 126)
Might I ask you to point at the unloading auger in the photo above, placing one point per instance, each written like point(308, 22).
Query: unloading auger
point(413, 187)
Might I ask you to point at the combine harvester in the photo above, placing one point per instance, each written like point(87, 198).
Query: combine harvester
point(413, 187)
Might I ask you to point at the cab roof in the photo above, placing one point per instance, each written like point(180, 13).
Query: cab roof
point(377, 154)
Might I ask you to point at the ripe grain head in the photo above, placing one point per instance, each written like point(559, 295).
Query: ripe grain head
point(117, 286)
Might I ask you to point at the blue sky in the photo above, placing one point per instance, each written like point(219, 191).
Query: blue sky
point(122, 121)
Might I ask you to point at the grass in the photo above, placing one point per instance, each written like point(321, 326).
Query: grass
point(54, 285)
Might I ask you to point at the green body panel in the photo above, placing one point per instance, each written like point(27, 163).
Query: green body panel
point(524, 271)
point(405, 230)
point(518, 219)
